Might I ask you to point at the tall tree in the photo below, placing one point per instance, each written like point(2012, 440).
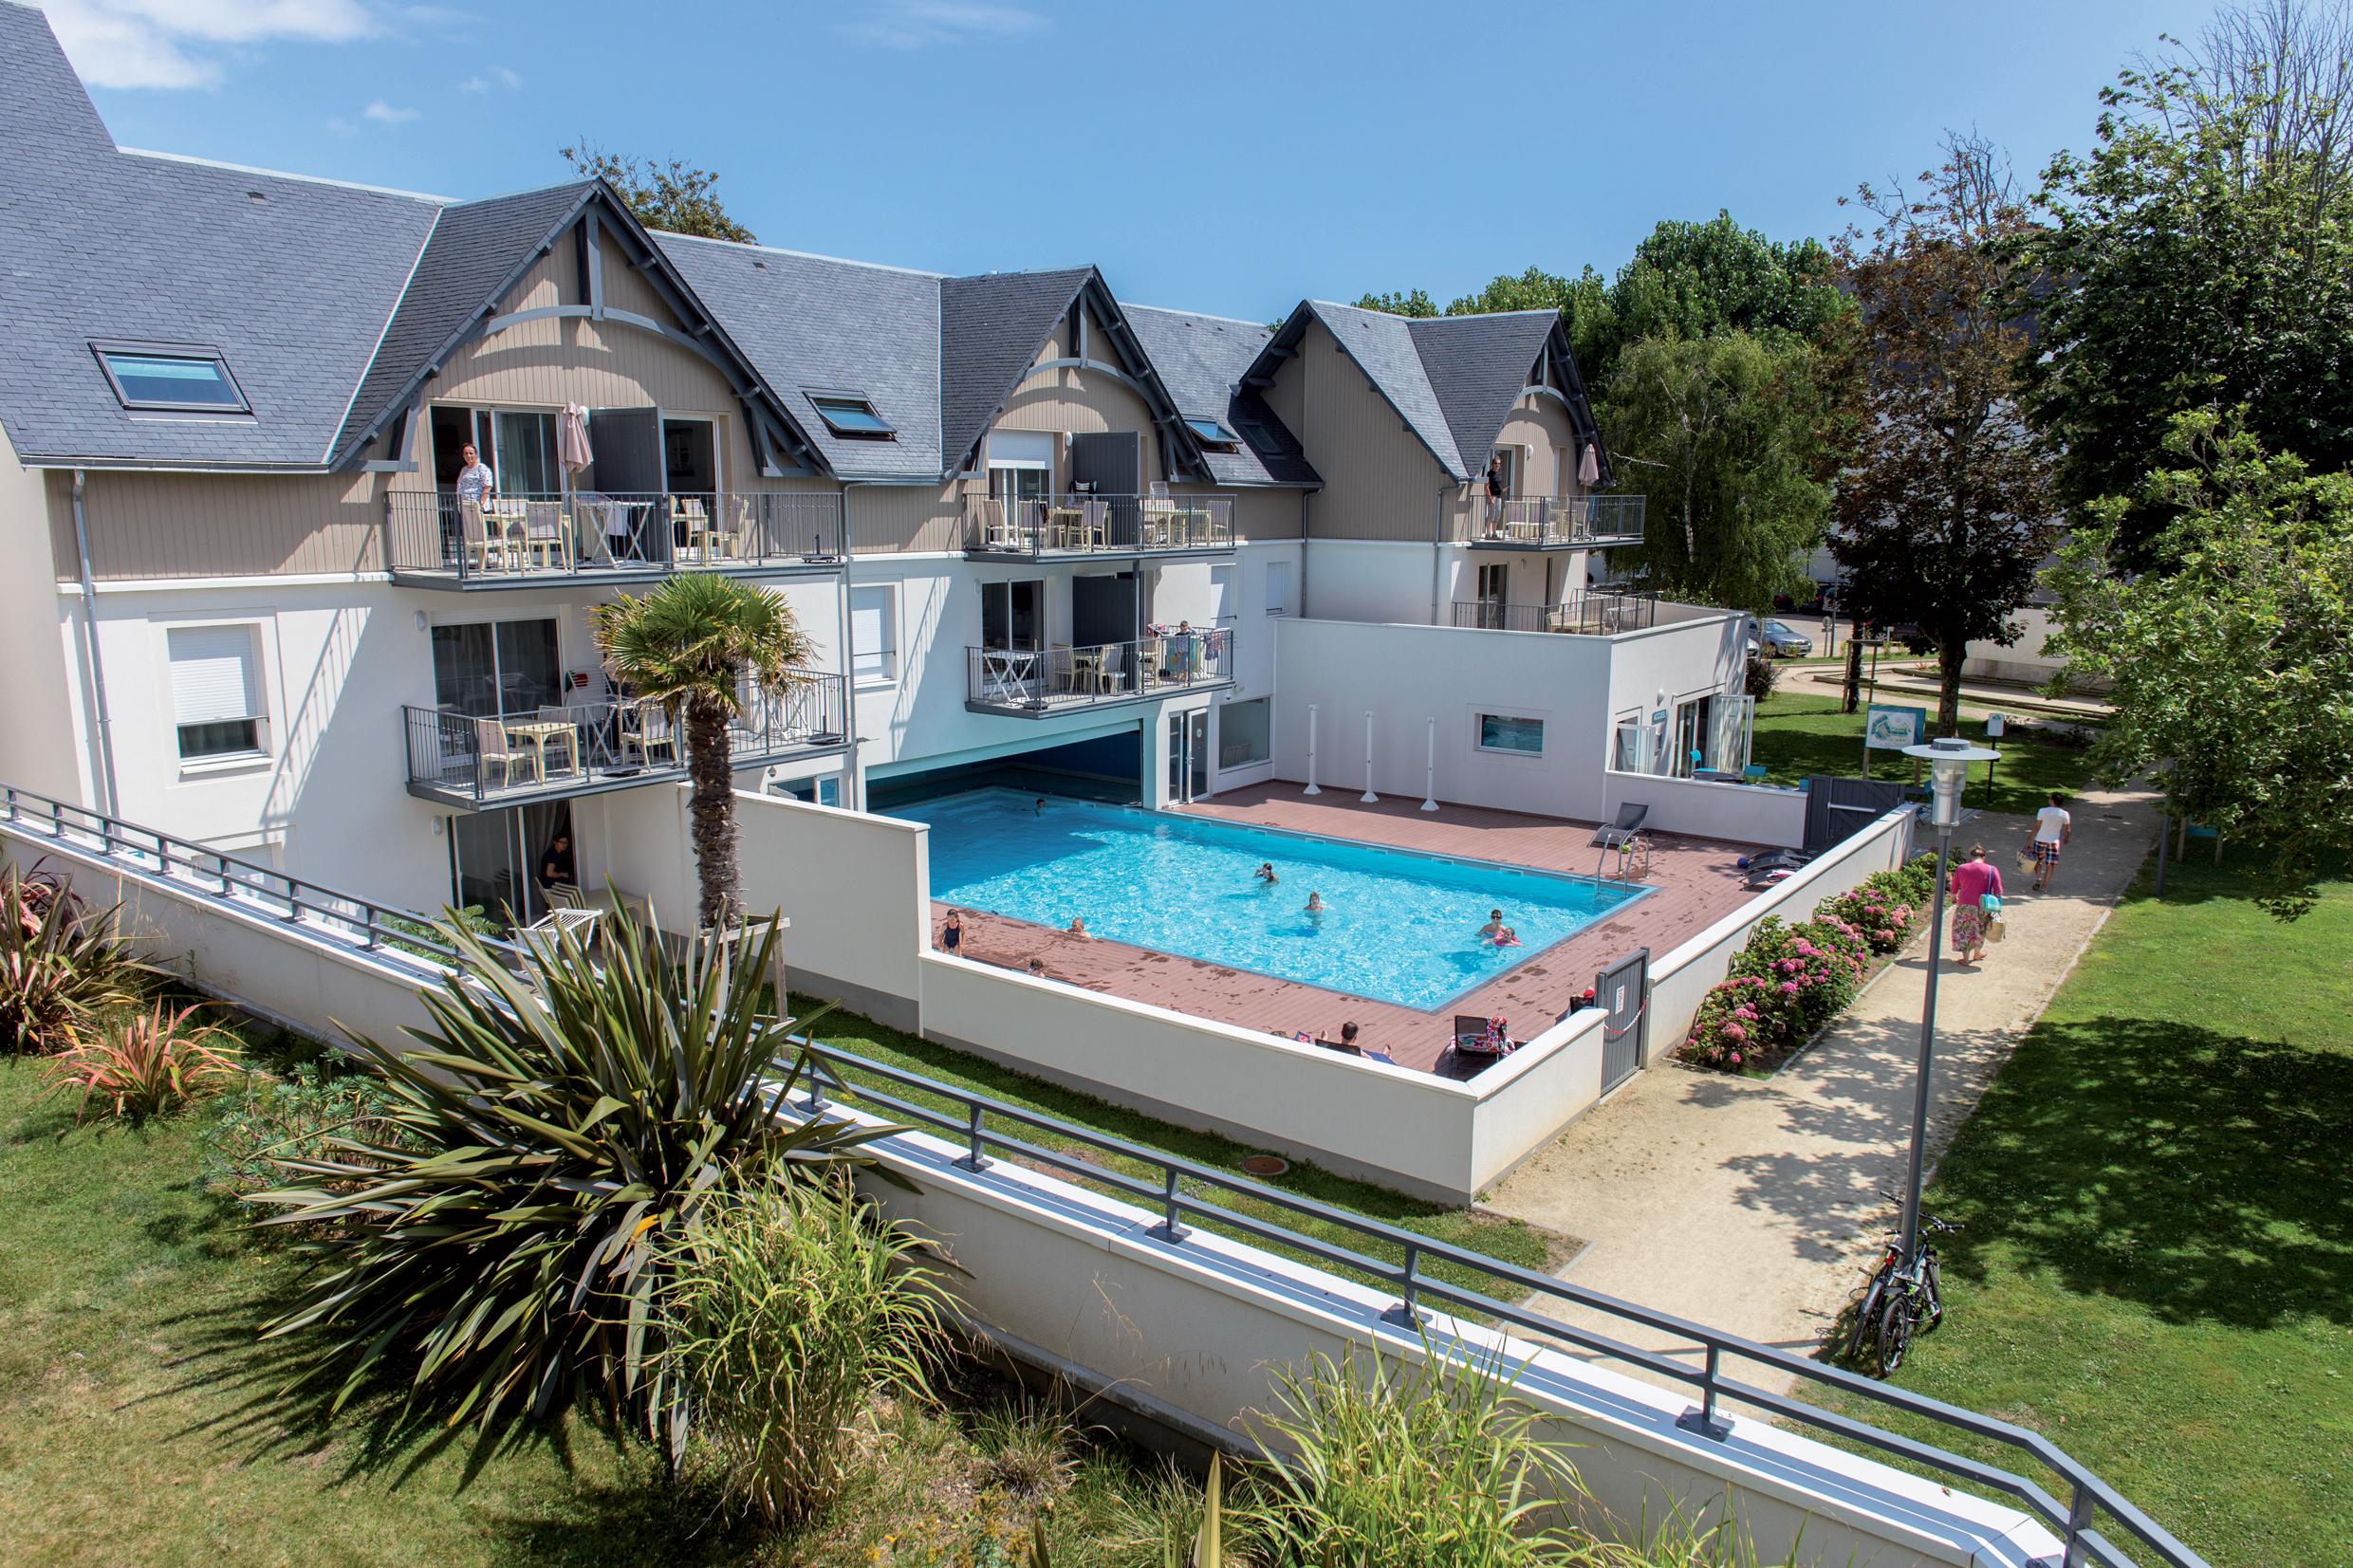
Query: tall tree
point(2232, 670)
point(1945, 517)
point(700, 645)
point(1413, 303)
point(672, 195)
point(1722, 433)
point(2201, 256)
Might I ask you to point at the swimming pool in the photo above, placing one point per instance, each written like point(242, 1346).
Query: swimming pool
point(1402, 927)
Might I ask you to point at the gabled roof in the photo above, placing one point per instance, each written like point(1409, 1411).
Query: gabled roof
point(1202, 360)
point(1453, 380)
point(290, 280)
point(814, 323)
point(991, 328)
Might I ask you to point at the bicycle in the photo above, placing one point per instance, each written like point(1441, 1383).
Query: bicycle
point(1902, 1301)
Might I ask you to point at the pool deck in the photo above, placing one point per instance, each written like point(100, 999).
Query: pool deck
point(1694, 884)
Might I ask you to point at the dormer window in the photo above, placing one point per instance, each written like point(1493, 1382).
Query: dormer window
point(1213, 436)
point(1262, 438)
point(852, 417)
point(174, 378)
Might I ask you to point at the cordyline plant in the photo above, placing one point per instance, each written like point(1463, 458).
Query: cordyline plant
point(62, 965)
point(151, 1063)
point(559, 1130)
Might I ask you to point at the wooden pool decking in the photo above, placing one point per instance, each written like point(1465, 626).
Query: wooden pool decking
point(1693, 882)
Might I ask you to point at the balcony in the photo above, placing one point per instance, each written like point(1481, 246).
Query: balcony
point(1552, 523)
point(480, 764)
point(538, 541)
point(1587, 615)
point(1084, 526)
point(1032, 683)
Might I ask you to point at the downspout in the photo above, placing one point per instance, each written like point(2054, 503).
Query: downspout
point(104, 727)
point(854, 782)
point(1306, 531)
point(1437, 554)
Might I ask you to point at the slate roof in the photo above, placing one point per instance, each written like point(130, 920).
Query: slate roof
point(990, 329)
point(814, 323)
point(292, 288)
point(477, 250)
point(1383, 345)
point(1202, 360)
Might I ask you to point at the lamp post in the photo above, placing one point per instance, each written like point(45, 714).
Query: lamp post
point(1948, 758)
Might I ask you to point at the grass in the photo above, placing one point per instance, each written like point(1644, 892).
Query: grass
point(1798, 735)
point(2157, 1265)
point(1509, 1239)
point(140, 1422)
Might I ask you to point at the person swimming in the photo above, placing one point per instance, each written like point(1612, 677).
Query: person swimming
point(1315, 903)
point(1507, 938)
point(1078, 929)
point(1493, 930)
point(1265, 873)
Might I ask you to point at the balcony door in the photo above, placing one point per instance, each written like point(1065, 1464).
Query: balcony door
point(495, 668)
point(1495, 584)
point(495, 856)
point(1012, 616)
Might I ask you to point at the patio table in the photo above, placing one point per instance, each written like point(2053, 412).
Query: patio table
point(537, 734)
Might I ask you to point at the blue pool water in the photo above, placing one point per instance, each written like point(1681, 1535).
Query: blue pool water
point(1402, 927)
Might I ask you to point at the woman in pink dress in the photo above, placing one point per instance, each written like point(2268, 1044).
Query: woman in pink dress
point(1973, 881)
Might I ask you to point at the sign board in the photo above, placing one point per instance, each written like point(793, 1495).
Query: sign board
point(1658, 715)
point(1994, 725)
point(1893, 729)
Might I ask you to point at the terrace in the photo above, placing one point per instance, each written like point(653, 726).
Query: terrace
point(432, 541)
point(1035, 682)
point(1587, 615)
point(1550, 523)
point(485, 763)
point(1098, 524)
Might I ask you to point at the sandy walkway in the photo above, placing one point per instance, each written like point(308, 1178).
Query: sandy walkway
point(1752, 1205)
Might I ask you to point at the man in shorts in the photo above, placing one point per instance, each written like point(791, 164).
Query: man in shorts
point(2053, 827)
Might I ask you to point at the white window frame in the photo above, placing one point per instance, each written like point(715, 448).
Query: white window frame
point(259, 694)
point(1278, 572)
point(884, 671)
point(1478, 734)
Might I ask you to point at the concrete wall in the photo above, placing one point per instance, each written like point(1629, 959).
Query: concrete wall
point(1188, 1333)
point(43, 696)
point(1748, 814)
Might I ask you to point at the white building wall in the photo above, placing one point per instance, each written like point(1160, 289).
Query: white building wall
point(42, 733)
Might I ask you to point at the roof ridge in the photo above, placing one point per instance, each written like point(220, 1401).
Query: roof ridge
point(1203, 315)
point(804, 255)
point(284, 173)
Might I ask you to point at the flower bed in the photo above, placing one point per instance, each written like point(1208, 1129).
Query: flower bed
point(1788, 980)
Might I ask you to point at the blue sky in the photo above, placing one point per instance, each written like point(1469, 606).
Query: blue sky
point(1217, 155)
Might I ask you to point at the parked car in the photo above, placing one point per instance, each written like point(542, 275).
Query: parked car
point(1782, 641)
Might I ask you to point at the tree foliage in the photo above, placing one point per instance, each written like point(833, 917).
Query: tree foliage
point(1725, 428)
point(1413, 302)
point(2201, 256)
point(700, 645)
point(669, 194)
point(2232, 670)
point(1946, 515)
point(1697, 279)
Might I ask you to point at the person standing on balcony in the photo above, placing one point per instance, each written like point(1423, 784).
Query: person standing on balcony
point(1497, 485)
point(476, 482)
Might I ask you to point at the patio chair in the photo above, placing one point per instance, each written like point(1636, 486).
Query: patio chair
point(687, 516)
point(492, 749)
point(546, 537)
point(1473, 1040)
point(1110, 677)
point(485, 550)
point(646, 727)
point(1630, 819)
point(565, 896)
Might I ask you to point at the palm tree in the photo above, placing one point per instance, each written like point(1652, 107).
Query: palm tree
point(695, 644)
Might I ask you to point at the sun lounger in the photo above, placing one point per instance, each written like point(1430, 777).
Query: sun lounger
point(1629, 823)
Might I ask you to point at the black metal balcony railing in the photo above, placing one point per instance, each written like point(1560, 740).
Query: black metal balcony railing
point(584, 748)
point(1591, 615)
point(1538, 522)
point(1052, 680)
point(518, 540)
point(1098, 524)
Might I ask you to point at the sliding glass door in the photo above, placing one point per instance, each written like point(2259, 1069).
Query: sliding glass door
point(486, 669)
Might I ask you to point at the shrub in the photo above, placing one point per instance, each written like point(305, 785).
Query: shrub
point(1758, 679)
point(1889, 906)
point(61, 966)
point(789, 1308)
point(1787, 983)
point(292, 1119)
point(154, 1062)
point(558, 1130)
point(1388, 1465)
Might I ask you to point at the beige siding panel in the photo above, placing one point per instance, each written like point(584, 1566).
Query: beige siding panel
point(1266, 514)
point(1082, 401)
point(1286, 393)
point(202, 524)
point(1379, 481)
point(900, 519)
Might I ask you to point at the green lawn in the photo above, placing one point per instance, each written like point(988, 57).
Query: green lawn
point(1798, 735)
point(2157, 1265)
point(1513, 1240)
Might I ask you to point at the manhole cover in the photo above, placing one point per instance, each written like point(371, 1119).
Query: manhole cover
point(1264, 1165)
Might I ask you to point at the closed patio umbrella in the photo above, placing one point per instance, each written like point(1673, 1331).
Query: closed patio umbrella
point(1589, 466)
point(572, 455)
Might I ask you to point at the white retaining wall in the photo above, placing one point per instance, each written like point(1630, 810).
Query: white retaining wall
point(1188, 1333)
point(1748, 814)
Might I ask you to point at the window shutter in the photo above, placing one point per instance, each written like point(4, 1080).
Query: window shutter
point(212, 673)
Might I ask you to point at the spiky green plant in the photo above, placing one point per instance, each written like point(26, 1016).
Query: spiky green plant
point(1378, 1463)
point(693, 645)
point(790, 1308)
point(62, 966)
point(560, 1128)
point(146, 1065)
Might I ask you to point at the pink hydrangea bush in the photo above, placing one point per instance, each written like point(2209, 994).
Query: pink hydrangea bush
point(1787, 983)
point(1889, 907)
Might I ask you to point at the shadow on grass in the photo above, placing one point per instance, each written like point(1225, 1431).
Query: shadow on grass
point(2200, 1175)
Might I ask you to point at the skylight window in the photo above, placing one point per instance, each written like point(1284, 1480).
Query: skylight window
point(195, 379)
point(850, 415)
point(1213, 436)
point(1262, 438)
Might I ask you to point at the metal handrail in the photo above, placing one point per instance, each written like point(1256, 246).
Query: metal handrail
point(1035, 679)
point(524, 537)
point(1594, 614)
point(1098, 524)
point(2088, 1496)
point(1551, 521)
